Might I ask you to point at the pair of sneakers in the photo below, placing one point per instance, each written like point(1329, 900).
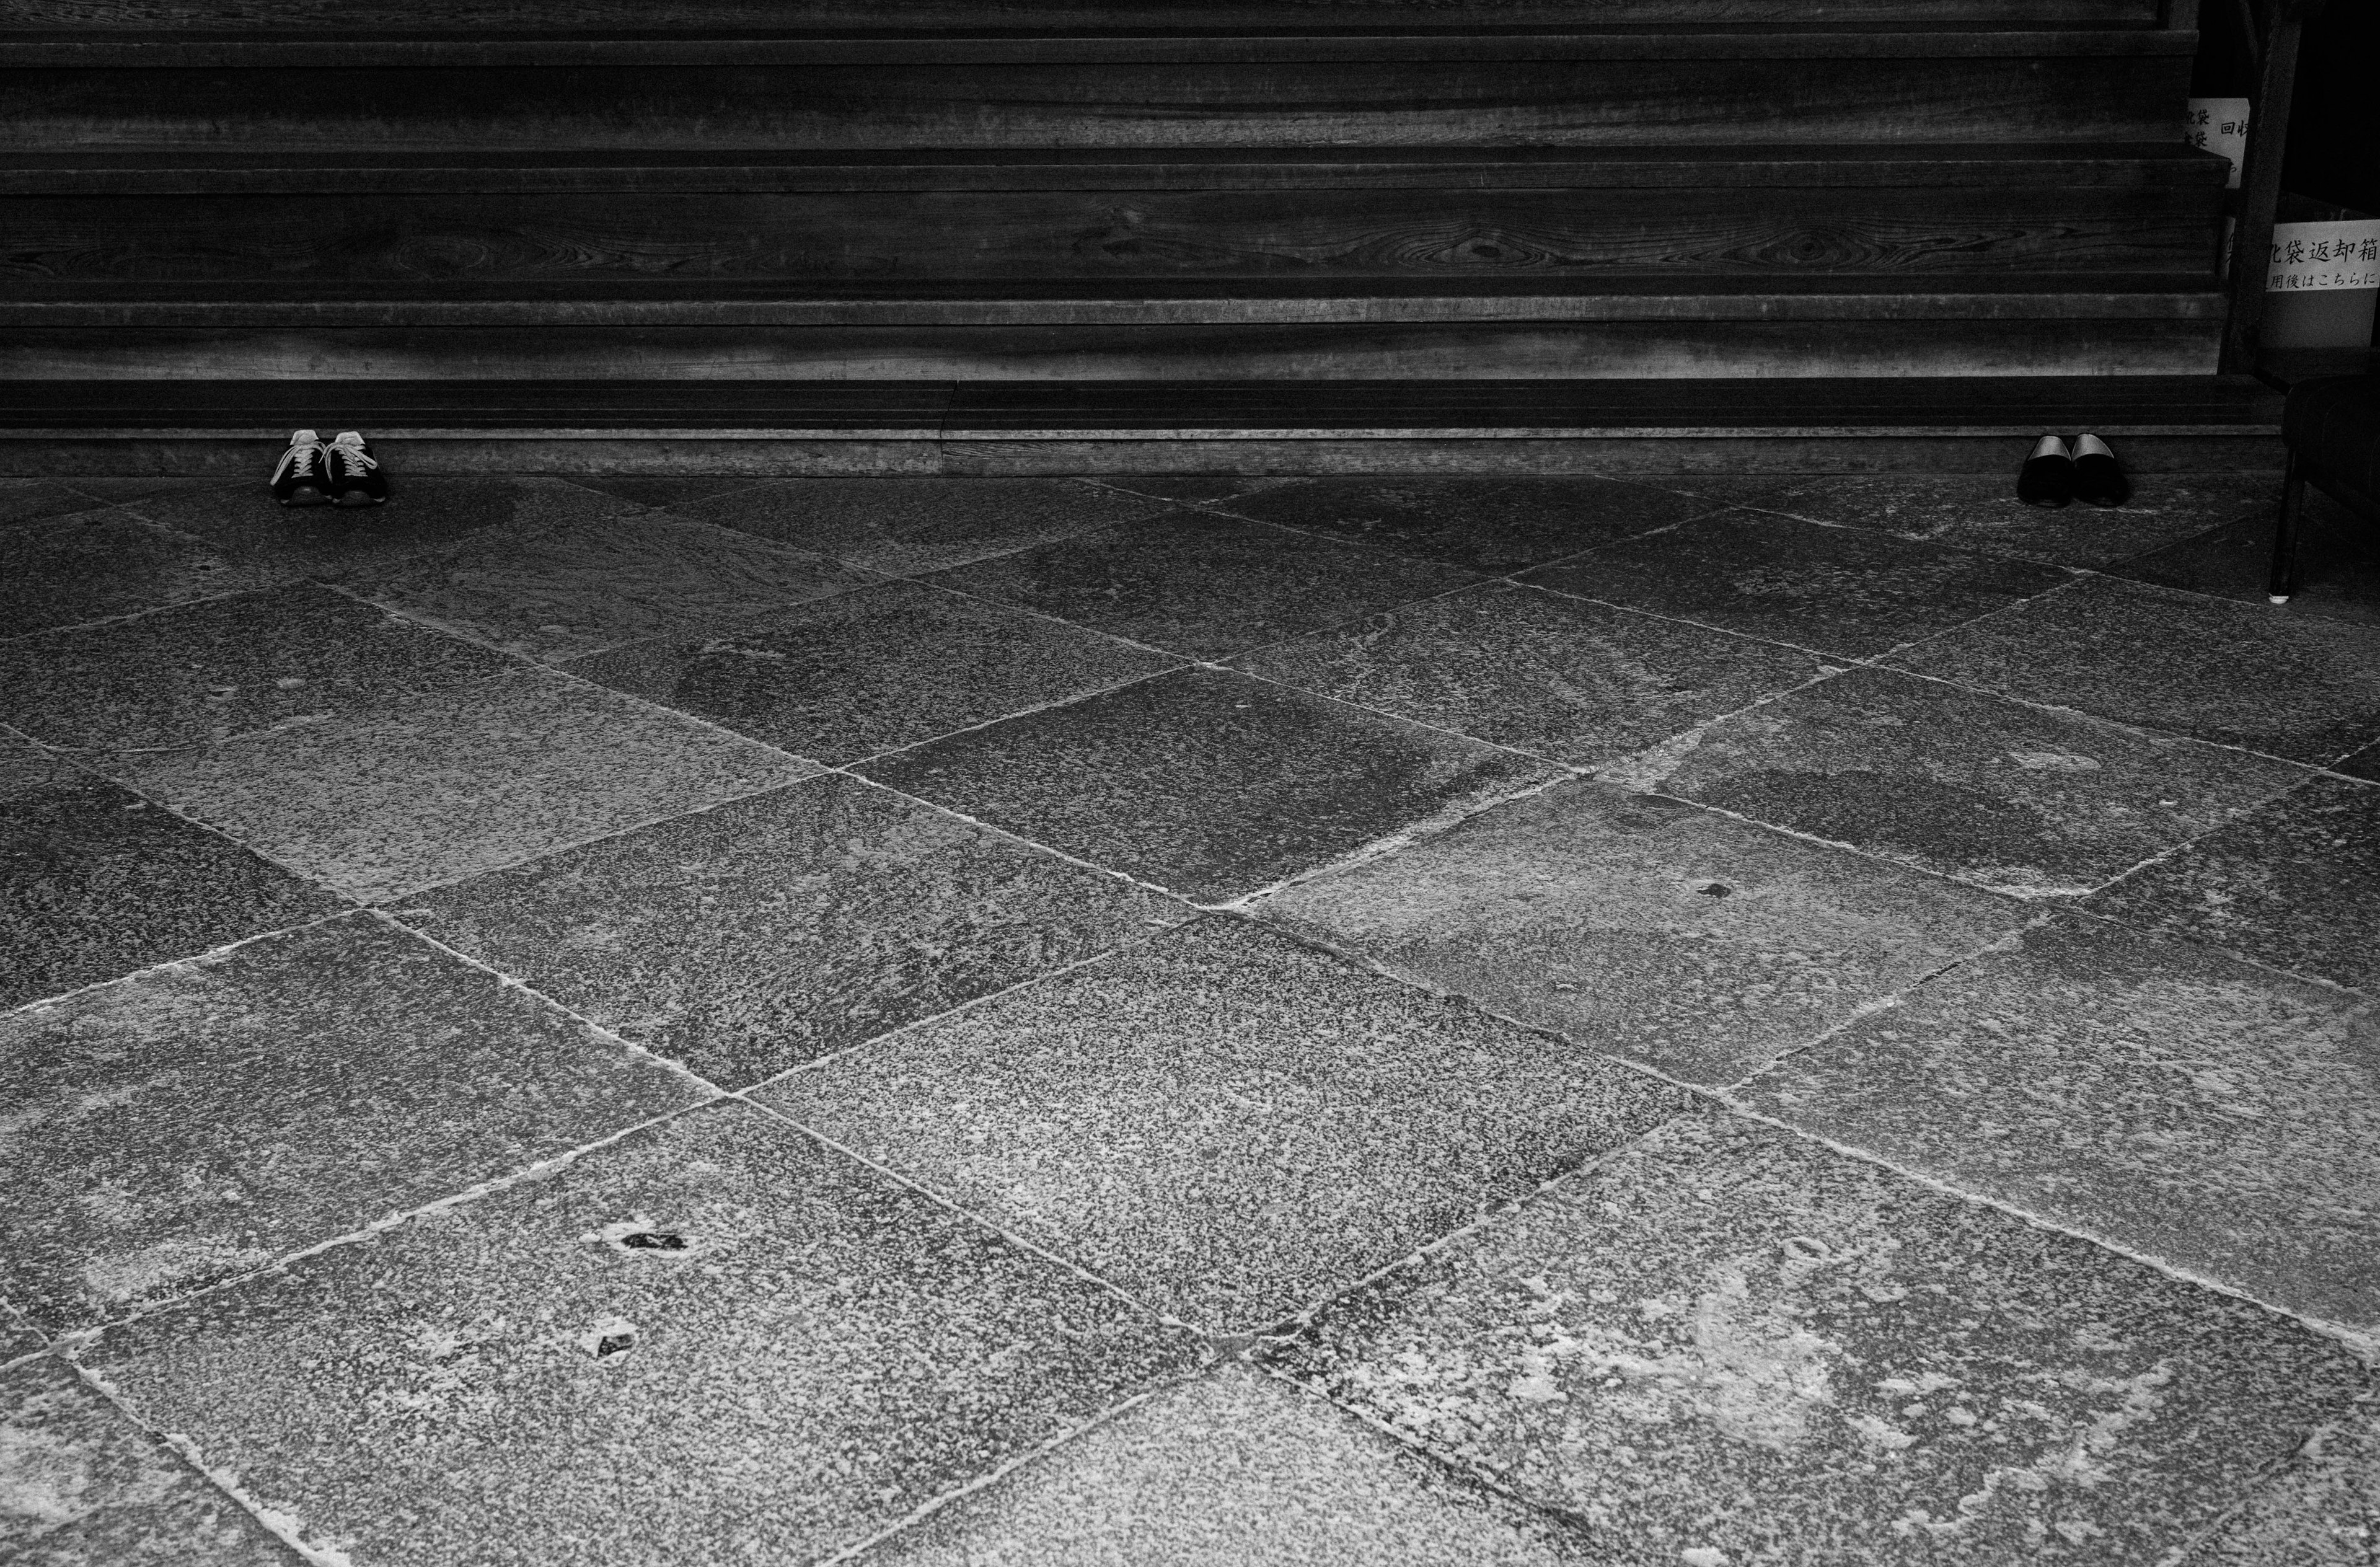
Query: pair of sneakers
point(2053, 475)
point(340, 471)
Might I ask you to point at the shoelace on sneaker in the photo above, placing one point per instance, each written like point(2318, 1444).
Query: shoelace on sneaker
point(299, 460)
point(353, 456)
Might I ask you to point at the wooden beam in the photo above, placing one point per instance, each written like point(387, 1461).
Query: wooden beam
point(2260, 182)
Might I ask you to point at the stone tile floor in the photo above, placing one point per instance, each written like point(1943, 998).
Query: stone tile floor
point(1177, 1021)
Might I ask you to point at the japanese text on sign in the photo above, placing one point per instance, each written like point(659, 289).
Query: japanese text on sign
point(2310, 256)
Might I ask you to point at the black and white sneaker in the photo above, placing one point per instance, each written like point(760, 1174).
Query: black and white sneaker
point(2098, 477)
point(356, 478)
point(2047, 479)
point(302, 478)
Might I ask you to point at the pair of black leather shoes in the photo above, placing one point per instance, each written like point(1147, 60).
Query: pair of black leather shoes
point(2053, 476)
point(340, 471)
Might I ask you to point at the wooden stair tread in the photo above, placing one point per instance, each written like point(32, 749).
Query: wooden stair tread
point(477, 49)
point(250, 169)
point(1013, 409)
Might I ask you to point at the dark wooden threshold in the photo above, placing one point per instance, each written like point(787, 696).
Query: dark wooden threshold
point(1009, 410)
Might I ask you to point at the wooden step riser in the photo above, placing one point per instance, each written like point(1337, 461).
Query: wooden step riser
point(696, 16)
point(1044, 234)
point(1732, 102)
point(1357, 351)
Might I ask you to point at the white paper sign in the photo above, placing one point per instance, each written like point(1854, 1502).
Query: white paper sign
point(2219, 125)
point(2325, 255)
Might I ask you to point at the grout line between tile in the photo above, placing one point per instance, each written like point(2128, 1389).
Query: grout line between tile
point(188, 961)
point(1032, 1456)
point(286, 1528)
point(979, 1220)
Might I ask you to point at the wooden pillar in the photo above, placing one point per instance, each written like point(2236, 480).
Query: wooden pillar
point(2260, 181)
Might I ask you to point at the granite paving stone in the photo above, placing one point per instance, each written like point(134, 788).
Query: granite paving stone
point(1203, 584)
point(819, 1352)
point(1238, 1468)
point(2295, 883)
point(2363, 764)
point(1207, 783)
point(199, 1122)
point(873, 671)
point(2011, 797)
point(94, 564)
point(2323, 1511)
point(17, 1337)
point(2235, 674)
point(1490, 525)
point(207, 672)
point(27, 501)
point(116, 488)
point(665, 489)
point(1725, 1344)
point(2339, 563)
point(1981, 511)
point(96, 883)
point(751, 938)
point(1560, 677)
point(1838, 589)
point(570, 584)
point(1643, 926)
point(905, 526)
point(1196, 489)
point(2182, 1103)
point(245, 525)
point(431, 788)
point(81, 1486)
point(1223, 1121)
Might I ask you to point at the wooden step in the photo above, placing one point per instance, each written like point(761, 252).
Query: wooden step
point(704, 16)
point(2115, 406)
point(1569, 218)
point(1612, 87)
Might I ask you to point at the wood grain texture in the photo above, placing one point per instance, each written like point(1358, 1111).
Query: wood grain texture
point(1047, 236)
point(926, 15)
point(1351, 351)
point(1645, 102)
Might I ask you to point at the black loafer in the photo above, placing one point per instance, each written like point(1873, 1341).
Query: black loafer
point(2047, 479)
point(2098, 478)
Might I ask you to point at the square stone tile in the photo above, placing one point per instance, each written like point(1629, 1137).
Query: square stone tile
point(2323, 1511)
point(2339, 562)
point(1564, 678)
point(81, 1486)
point(96, 883)
point(1728, 1345)
point(772, 930)
point(429, 788)
point(1191, 489)
point(2023, 801)
point(27, 501)
point(2233, 673)
point(245, 525)
point(199, 1122)
point(1207, 783)
point(1227, 1123)
point(1975, 511)
point(2175, 1100)
point(2295, 883)
point(1646, 928)
point(1490, 525)
point(907, 524)
point(665, 489)
point(92, 564)
point(1204, 584)
point(1235, 1467)
point(821, 1353)
point(1838, 589)
point(556, 588)
point(872, 671)
point(207, 672)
